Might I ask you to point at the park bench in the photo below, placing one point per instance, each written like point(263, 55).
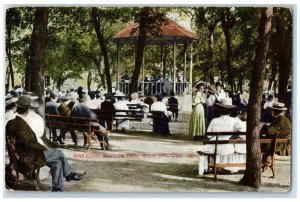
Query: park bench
point(68, 123)
point(19, 164)
point(213, 164)
point(132, 114)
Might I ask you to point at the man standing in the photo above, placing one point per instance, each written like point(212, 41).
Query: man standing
point(27, 129)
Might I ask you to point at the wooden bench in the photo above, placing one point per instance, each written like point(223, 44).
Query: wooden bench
point(212, 164)
point(19, 164)
point(76, 123)
point(211, 157)
point(132, 114)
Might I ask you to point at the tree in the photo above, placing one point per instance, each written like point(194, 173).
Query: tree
point(149, 21)
point(283, 25)
point(102, 46)
point(252, 176)
point(34, 80)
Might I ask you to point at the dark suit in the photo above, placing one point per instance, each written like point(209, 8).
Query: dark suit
point(52, 108)
point(36, 154)
point(281, 122)
point(27, 145)
point(107, 106)
point(173, 101)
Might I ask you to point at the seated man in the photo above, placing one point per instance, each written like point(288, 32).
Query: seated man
point(80, 110)
point(27, 129)
point(227, 153)
point(281, 122)
point(121, 104)
point(160, 126)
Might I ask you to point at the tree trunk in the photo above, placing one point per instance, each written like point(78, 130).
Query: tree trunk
point(284, 35)
point(8, 53)
point(103, 48)
point(89, 80)
point(252, 176)
point(144, 13)
point(209, 53)
point(35, 62)
point(273, 73)
point(226, 29)
point(101, 75)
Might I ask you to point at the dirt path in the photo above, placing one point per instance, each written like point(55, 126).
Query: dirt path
point(140, 163)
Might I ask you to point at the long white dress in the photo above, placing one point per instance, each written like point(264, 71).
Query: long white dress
point(227, 153)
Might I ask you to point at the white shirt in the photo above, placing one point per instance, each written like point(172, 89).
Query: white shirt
point(121, 105)
point(36, 123)
point(9, 115)
point(165, 100)
point(211, 100)
point(225, 123)
point(220, 95)
point(93, 104)
point(268, 104)
point(159, 106)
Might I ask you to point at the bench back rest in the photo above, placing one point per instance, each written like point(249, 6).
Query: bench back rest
point(69, 122)
point(279, 134)
point(218, 134)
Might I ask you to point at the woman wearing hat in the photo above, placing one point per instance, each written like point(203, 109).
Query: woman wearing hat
point(280, 122)
point(228, 153)
point(197, 121)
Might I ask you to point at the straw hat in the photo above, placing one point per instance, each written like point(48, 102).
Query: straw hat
point(226, 103)
point(119, 94)
point(64, 109)
point(211, 89)
point(278, 106)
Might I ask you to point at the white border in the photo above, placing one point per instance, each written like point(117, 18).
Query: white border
point(179, 196)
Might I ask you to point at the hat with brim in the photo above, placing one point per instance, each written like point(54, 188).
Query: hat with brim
point(278, 106)
point(119, 94)
point(24, 101)
point(64, 109)
point(211, 89)
point(226, 103)
point(32, 95)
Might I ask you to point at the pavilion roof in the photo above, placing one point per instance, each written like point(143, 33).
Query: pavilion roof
point(168, 32)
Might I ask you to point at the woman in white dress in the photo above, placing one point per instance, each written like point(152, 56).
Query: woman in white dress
point(227, 153)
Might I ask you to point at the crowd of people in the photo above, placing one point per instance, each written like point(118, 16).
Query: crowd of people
point(214, 109)
point(217, 109)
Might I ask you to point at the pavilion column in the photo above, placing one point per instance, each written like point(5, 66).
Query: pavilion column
point(174, 66)
point(143, 76)
point(118, 66)
point(184, 69)
point(191, 70)
point(161, 60)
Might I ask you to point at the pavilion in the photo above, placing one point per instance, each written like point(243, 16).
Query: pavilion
point(170, 33)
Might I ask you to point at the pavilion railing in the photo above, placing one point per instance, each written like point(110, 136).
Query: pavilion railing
point(150, 88)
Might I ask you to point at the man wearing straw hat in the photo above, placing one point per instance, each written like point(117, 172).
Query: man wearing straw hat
point(28, 144)
point(280, 122)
